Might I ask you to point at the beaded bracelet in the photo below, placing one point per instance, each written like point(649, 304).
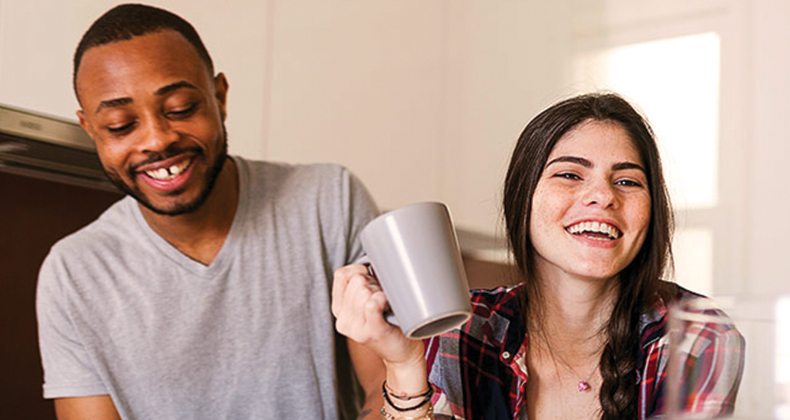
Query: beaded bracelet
point(426, 397)
point(427, 416)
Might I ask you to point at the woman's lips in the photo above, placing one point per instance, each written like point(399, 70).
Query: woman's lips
point(594, 229)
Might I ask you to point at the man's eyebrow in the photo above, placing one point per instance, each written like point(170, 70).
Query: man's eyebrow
point(174, 86)
point(164, 90)
point(111, 103)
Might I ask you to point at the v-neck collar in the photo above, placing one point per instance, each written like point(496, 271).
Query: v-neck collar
point(221, 261)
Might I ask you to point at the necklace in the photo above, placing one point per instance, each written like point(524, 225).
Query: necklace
point(583, 384)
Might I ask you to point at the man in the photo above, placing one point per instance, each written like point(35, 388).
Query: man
point(205, 292)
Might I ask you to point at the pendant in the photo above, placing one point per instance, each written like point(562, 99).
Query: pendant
point(583, 386)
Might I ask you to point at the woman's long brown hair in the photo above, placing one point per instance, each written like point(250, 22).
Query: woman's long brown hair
point(640, 280)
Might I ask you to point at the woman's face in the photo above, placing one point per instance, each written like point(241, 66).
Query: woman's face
point(591, 207)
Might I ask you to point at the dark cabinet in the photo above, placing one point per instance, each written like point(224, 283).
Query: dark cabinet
point(34, 214)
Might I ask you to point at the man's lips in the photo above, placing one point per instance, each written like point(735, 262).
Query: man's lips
point(169, 172)
point(166, 170)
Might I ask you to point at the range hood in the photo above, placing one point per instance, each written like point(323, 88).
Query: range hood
point(47, 147)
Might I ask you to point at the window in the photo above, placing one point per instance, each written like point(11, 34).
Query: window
point(675, 82)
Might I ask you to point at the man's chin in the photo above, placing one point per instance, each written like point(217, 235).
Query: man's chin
point(174, 203)
point(175, 208)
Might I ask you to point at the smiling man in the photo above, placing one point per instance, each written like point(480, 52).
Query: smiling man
point(205, 292)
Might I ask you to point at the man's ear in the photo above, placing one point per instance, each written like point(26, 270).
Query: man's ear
point(221, 93)
point(85, 124)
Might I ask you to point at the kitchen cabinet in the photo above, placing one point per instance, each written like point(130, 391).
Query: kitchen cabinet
point(34, 214)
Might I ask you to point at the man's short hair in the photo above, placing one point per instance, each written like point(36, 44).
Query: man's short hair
point(126, 21)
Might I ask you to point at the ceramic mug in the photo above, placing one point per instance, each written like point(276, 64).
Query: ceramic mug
point(415, 256)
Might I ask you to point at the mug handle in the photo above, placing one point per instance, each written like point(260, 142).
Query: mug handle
point(389, 316)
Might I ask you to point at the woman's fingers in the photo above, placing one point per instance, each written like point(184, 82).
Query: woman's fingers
point(374, 310)
point(356, 300)
point(340, 283)
point(358, 304)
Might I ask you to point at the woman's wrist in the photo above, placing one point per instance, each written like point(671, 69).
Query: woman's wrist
point(407, 406)
point(408, 377)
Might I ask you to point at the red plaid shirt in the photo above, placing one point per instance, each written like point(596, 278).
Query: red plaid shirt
point(480, 371)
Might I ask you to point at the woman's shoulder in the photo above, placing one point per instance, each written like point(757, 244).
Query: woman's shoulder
point(496, 319)
point(501, 301)
point(702, 313)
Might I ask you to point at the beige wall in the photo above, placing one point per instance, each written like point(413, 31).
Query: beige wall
point(38, 38)
point(424, 99)
point(767, 150)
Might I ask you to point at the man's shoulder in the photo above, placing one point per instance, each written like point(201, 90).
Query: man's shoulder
point(283, 170)
point(111, 226)
point(293, 183)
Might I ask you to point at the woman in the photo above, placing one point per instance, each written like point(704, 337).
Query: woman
point(583, 334)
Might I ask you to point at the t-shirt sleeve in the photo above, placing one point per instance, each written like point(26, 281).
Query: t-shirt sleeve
point(361, 209)
point(68, 370)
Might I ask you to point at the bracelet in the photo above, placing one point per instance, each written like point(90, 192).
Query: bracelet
point(387, 389)
point(427, 416)
point(426, 397)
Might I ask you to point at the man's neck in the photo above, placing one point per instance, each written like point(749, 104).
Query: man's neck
point(200, 234)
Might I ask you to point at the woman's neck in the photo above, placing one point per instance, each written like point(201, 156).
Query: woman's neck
point(573, 313)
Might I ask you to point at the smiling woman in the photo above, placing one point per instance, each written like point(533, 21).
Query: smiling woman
point(584, 334)
point(594, 177)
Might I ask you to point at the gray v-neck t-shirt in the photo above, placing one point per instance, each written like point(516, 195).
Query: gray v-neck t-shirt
point(124, 313)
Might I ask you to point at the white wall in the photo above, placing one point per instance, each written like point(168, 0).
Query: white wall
point(424, 99)
point(361, 83)
point(768, 150)
point(38, 38)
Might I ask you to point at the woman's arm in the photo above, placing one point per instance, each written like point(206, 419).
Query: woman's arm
point(99, 407)
point(358, 304)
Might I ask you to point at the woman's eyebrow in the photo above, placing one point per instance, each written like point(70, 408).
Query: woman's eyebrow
point(627, 165)
point(620, 166)
point(571, 159)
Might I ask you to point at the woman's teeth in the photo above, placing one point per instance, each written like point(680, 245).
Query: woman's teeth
point(594, 228)
point(165, 174)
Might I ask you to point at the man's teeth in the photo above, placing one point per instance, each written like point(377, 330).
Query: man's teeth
point(164, 174)
point(595, 227)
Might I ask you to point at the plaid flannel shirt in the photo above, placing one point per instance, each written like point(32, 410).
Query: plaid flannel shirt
point(480, 370)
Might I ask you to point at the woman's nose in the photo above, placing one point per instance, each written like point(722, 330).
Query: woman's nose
point(600, 193)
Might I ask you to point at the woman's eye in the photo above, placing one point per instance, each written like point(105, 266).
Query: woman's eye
point(628, 183)
point(567, 175)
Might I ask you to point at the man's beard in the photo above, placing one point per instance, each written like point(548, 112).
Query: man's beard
point(183, 208)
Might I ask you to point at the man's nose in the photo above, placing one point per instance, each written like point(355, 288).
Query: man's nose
point(158, 135)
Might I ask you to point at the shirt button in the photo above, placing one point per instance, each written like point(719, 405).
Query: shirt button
point(506, 355)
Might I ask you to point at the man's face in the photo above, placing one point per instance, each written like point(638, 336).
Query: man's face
point(157, 117)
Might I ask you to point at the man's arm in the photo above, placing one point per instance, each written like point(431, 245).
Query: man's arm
point(99, 407)
point(371, 374)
